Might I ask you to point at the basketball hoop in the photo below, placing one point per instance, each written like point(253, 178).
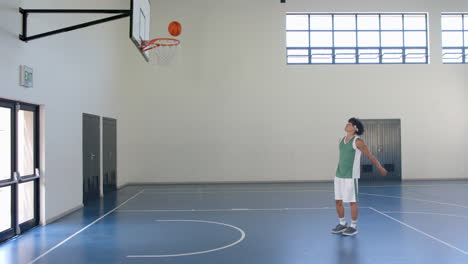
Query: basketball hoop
point(163, 49)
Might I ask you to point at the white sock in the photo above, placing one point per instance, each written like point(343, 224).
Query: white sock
point(342, 221)
point(353, 223)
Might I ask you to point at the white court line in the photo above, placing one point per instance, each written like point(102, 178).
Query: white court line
point(414, 199)
point(232, 209)
point(238, 191)
point(329, 183)
point(414, 185)
point(164, 191)
point(199, 252)
point(419, 231)
point(234, 190)
point(424, 213)
point(83, 229)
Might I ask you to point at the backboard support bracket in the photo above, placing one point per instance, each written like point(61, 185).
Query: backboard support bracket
point(25, 12)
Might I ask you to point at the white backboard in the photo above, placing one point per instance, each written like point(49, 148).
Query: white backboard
point(140, 23)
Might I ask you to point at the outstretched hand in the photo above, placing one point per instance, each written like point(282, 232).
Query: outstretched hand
point(383, 171)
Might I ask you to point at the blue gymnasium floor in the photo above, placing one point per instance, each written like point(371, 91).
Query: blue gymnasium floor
point(414, 222)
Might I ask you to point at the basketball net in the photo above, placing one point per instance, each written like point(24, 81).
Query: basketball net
point(162, 50)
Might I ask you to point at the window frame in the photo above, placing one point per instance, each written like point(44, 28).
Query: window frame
point(381, 49)
point(463, 30)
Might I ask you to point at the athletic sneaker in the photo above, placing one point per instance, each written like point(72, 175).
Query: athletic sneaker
point(339, 229)
point(350, 231)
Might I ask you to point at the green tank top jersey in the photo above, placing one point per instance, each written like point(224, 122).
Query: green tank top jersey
point(350, 159)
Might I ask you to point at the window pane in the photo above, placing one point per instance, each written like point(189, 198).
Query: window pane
point(298, 56)
point(297, 22)
point(452, 39)
point(392, 39)
point(26, 201)
point(465, 33)
point(368, 56)
point(5, 208)
point(5, 143)
point(25, 142)
point(345, 22)
point(345, 56)
point(452, 55)
point(321, 39)
point(368, 22)
point(298, 59)
point(302, 52)
point(391, 22)
point(415, 56)
point(368, 39)
point(451, 22)
point(322, 56)
point(345, 39)
point(415, 39)
point(392, 56)
point(415, 22)
point(297, 39)
point(465, 20)
point(320, 22)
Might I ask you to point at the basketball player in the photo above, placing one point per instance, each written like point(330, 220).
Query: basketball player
point(348, 173)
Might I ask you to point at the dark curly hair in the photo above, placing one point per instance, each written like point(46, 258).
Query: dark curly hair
point(357, 123)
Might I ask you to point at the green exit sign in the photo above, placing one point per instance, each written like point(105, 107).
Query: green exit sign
point(26, 76)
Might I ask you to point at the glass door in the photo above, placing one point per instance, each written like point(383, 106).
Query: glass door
point(19, 168)
point(7, 161)
point(27, 166)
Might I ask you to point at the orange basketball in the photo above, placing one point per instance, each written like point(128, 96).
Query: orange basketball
point(175, 28)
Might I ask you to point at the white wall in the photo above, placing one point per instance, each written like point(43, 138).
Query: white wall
point(232, 110)
point(74, 72)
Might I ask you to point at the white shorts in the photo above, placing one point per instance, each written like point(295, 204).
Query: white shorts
point(346, 190)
